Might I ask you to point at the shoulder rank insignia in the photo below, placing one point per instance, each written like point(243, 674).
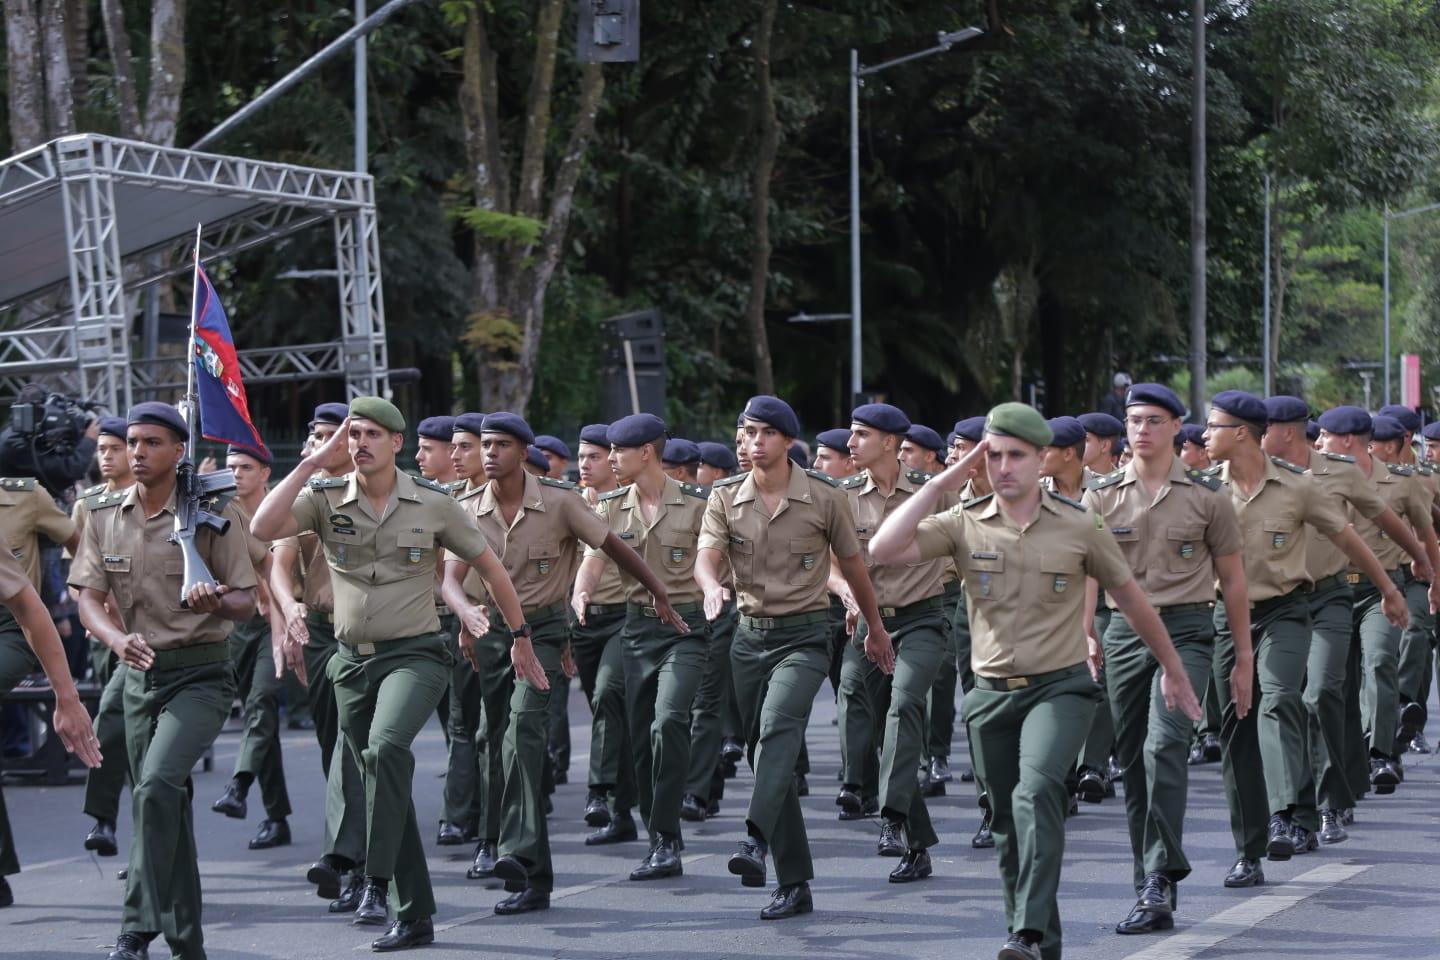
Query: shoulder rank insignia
point(855, 482)
point(430, 484)
point(463, 494)
point(822, 477)
point(18, 483)
point(728, 481)
point(328, 483)
point(695, 490)
point(1207, 480)
point(1341, 457)
point(975, 502)
point(1425, 468)
point(1287, 465)
point(1398, 469)
point(104, 500)
point(918, 476)
point(454, 487)
point(1067, 501)
point(1108, 480)
point(552, 482)
point(618, 492)
point(96, 490)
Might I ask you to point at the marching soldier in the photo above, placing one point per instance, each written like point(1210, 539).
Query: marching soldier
point(179, 684)
point(682, 459)
point(922, 449)
point(1024, 555)
point(969, 433)
point(1192, 447)
point(1103, 436)
point(381, 529)
point(557, 455)
point(780, 652)
point(432, 451)
point(832, 454)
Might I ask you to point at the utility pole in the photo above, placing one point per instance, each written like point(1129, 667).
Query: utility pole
point(1197, 218)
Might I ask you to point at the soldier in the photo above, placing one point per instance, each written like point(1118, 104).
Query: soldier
point(103, 784)
point(923, 450)
point(1205, 747)
point(832, 454)
point(179, 684)
point(1192, 447)
point(256, 645)
point(717, 462)
point(969, 433)
point(1331, 613)
point(309, 607)
point(1274, 501)
point(912, 607)
point(557, 455)
point(535, 462)
point(780, 651)
point(535, 525)
point(1024, 554)
point(1180, 537)
point(380, 529)
point(682, 460)
point(1103, 436)
point(742, 453)
point(432, 451)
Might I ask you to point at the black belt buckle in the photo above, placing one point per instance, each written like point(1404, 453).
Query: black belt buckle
point(649, 612)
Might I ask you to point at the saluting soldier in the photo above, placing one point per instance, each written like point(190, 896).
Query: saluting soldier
point(1274, 501)
point(1180, 536)
point(104, 783)
point(179, 684)
point(777, 526)
point(536, 525)
point(1024, 555)
point(381, 529)
point(300, 583)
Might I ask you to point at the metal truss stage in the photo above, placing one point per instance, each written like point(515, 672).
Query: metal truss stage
point(88, 221)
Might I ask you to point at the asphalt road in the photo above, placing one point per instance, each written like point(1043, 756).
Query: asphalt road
point(1375, 895)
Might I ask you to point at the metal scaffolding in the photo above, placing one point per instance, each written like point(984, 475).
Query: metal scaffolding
point(87, 222)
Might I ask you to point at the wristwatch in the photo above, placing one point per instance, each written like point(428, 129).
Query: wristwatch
point(524, 630)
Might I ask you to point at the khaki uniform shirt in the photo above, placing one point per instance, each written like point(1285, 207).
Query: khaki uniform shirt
point(667, 543)
point(131, 557)
point(539, 549)
point(98, 495)
point(895, 586)
point(610, 588)
point(1407, 498)
point(1340, 477)
point(1273, 522)
point(12, 579)
point(312, 571)
point(474, 584)
point(1025, 587)
point(1170, 537)
point(25, 511)
point(383, 568)
point(781, 563)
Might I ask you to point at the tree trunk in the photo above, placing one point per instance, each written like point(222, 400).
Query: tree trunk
point(167, 71)
point(77, 17)
point(768, 128)
point(26, 98)
point(55, 46)
point(117, 40)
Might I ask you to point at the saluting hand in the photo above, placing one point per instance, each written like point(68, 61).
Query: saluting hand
point(332, 445)
point(879, 650)
point(953, 477)
point(134, 651)
point(1179, 695)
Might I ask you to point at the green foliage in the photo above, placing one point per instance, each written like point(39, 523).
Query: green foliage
point(504, 227)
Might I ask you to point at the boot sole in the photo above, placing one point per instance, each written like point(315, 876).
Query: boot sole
point(746, 871)
point(326, 882)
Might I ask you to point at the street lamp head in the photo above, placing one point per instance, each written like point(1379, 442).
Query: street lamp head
point(950, 38)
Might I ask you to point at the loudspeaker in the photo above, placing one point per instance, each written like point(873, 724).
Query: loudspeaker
point(644, 331)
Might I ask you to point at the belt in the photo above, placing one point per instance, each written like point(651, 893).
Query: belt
point(912, 609)
point(952, 588)
point(780, 623)
point(1261, 607)
point(442, 610)
point(194, 656)
point(692, 606)
point(1187, 607)
point(1005, 684)
point(1334, 580)
point(603, 609)
point(1356, 579)
point(535, 614)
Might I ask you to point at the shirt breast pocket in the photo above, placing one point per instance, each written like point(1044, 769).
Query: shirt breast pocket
point(348, 554)
point(863, 534)
point(417, 550)
point(1186, 547)
point(117, 571)
point(742, 559)
point(677, 549)
point(1280, 535)
point(1062, 576)
point(808, 560)
point(174, 582)
point(542, 559)
point(985, 576)
point(1129, 540)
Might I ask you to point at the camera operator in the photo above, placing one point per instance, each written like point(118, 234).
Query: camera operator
point(51, 437)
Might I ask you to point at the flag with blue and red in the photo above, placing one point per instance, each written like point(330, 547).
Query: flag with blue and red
point(224, 411)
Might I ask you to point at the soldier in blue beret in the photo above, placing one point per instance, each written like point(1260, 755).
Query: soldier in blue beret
point(509, 423)
point(557, 454)
point(1192, 447)
point(1312, 433)
point(742, 456)
point(1408, 418)
point(832, 453)
point(432, 453)
point(1102, 436)
point(717, 461)
point(681, 459)
point(923, 449)
point(799, 454)
point(159, 414)
point(113, 426)
point(333, 413)
point(1286, 409)
point(535, 461)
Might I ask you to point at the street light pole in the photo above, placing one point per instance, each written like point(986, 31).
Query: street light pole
point(1268, 360)
point(1385, 254)
point(1197, 218)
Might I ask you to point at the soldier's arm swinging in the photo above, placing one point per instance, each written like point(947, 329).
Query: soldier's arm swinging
point(707, 575)
point(71, 720)
point(1230, 571)
point(283, 560)
point(1174, 684)
point(1398, 530)
point(878, 648)
point(1360, 556)
point(631, 562)
point(473, 621)
point(586, 578)
point(131, 648)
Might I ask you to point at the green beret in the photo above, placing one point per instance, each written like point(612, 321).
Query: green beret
point(380, 410)
point(1021, 421)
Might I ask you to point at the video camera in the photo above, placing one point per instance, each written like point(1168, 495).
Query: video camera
point(44, 438)
point(54, 424)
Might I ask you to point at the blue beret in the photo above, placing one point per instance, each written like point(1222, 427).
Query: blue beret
point(1241, 405)
point(1408, 418)
point(680, 450)
point(971, 428)
point(536, 457)
point(330, 413)
point(1283, 409)
point(797, 453)
point(436, 428)
point(469, 423)
point(923, 436)
point(1431, 431)
point(1312, 430)
point(1386, 428)
point(775, 412)
point(881, 416)
point(950, 439)
point(115, 426)
point(510, 423)
point(717, 455)
point(254, 453)
point(1101, 424)
point(159, 414)
point(1067, 430)
point(837, 439)
point(1343, 421)
point(596, 434)
point(634, 430)
point(1192, 433)
point(740, 420)
point(553, 445)
point(1154, 395)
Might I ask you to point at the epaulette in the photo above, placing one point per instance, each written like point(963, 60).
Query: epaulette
point(822, 477)
point(18, 483)
point(695, 490)
point(1398, 469)
point(918, 476)
point(617, 492)
point(975, 502)
point(552, 482)
point(1066, 500)
point(1425, 468)
point(1108, 480)
point(1287, 465)
point(453, 487)
point(99, 488)
point(852, 482)
point(1342, 457)
point(104, 499)
point(463, 494)
point(328, 483)
point(1207, 480)
point(728, 481)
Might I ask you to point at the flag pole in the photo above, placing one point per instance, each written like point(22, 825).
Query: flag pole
point(191, 400)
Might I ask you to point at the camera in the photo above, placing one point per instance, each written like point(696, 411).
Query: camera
point(56, 423)
point(46, 438)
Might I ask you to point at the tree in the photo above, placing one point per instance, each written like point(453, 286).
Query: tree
point(768, 137)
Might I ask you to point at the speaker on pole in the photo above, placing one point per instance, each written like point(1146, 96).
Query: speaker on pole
point(632, 365)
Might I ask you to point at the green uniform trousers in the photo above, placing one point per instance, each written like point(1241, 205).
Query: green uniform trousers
point(259, 690)
point(1379, 667)
point(525, 760)
point(1100, 741)
point(17, 661)
point(384, 701)
point(663, 669)
point(860, 709)
point(497, 684)
point(461, 795)
point(1415, 650)
point(172, 717)
point(777, 673)
point(707, 713)
point(104, 783)
point(1152, 743)
point(940, 703)
point(1023, 742)
point(559, 724)
point(1357, 750)
point(344, 786)
point(597, 650)
point(1272, 736)
point(921, 646)
point(1327, 788)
